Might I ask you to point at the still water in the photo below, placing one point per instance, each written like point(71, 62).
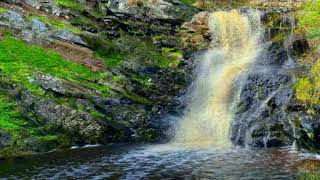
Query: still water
point(154, 162)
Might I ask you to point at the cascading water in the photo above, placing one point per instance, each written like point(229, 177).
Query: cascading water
point(234, 46)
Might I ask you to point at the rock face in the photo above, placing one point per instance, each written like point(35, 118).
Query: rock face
point(137, 72)
point(159, 9)
point(79, 122)
point(267, 114)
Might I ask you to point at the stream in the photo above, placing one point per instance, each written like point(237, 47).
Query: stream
point(154, 162)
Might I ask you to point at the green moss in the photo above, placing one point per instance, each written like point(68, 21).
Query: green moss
point(118, 79)
point(96, 114)
point(48, 138)
point(68, 3)
point(3, 9)
point(57, 24)
point(308, 19)
point(82, 21)
point(307, 89)
point(112, 59)
point(136, 98)
point(143, 80)
point(189, 2)
point(308, 175)
point(20, 61)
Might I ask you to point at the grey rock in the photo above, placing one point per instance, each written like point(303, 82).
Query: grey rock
point(15, 19)
point(48, 6)
point(88, 128)
point(68, 36)
point(27, 35)
point(261, 118)
point(5, 139)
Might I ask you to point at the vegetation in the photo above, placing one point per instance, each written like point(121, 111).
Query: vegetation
point(18, 128)
point(308, 19)
point(10, 119)
point(56, 24)
point(20, 61)
point(68, 3)
point(189, 2)
point(2, 9)
point(308, 88)
point(130, 48)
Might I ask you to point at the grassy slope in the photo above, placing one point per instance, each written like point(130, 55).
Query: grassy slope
point(308, 88)
point(20, 61)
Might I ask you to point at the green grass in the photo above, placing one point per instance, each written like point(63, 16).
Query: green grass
point(10, 119)
point(68, 3)
point(307, 89)
point(308, 19)
point(20, 61)
point(189, 2)
point(3, 9)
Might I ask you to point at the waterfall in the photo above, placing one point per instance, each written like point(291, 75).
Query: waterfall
point(207, 118)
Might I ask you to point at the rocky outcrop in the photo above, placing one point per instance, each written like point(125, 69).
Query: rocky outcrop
point(159, 9)
point(62, 87)
point(268, 114)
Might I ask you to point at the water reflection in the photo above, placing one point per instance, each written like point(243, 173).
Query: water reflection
point(155, 162)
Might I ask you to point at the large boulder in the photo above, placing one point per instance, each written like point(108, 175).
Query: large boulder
point(62, 87)
point(80, 123)
point(65, 35)
point(262, 118)
point(159, 9)
point(13, 19)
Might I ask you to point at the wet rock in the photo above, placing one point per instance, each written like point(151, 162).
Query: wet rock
point(5, 139)
point(261, 118)
point(13, 19)
point(274, 54)
point(87, 128)
point(48, 6)
point(300, 46)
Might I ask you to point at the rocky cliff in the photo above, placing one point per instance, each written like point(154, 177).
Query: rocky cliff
point(86, 72)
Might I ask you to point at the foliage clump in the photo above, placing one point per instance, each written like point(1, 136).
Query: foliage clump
point(68, 3)
point(307, 89)
point(308, 19)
